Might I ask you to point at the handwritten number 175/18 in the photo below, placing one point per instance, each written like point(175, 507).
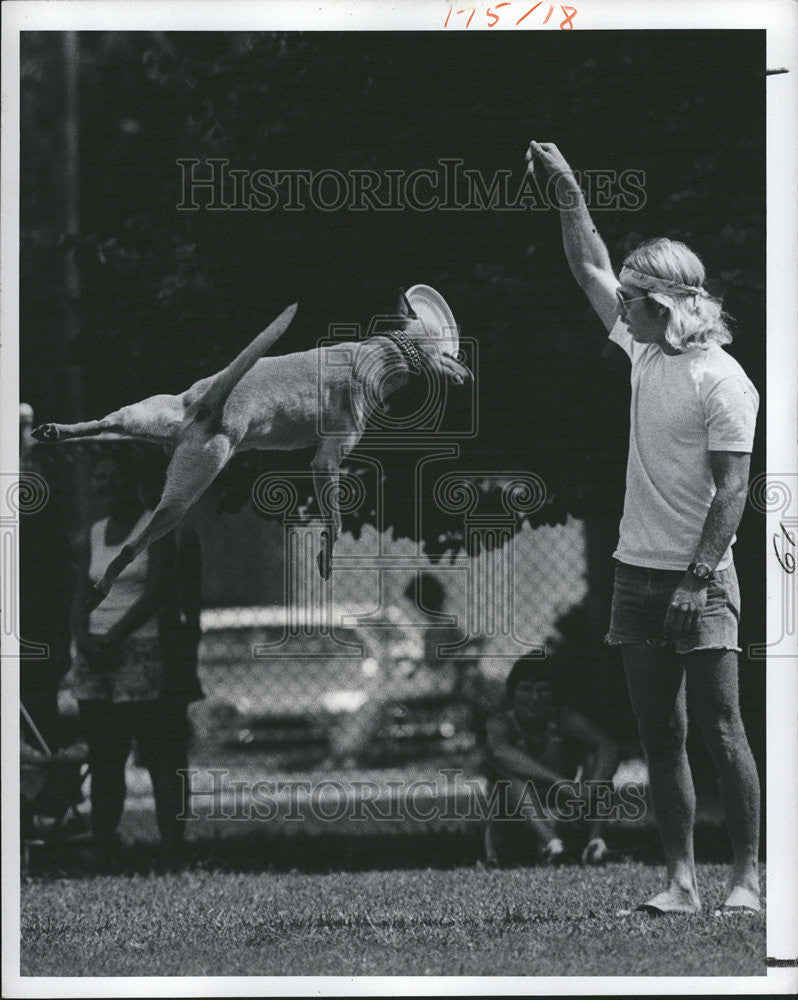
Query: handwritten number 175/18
point(493, 16)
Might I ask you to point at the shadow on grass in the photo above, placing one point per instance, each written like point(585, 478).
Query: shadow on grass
point(256, 852)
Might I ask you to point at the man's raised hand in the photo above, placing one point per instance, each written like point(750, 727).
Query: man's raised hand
point(584, 248)
point(548, 156)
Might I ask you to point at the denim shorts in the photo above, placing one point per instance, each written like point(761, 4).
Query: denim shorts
point(640, 604)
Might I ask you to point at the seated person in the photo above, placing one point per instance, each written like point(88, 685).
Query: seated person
point(531, 747)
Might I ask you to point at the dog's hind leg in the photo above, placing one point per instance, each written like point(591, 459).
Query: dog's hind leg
point(63, 432)
point(197, 461)
point(154, 419)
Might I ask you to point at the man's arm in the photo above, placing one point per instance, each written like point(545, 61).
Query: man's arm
point(595, 739)
point(584, 249)
point(730, 471)
point(513, 759)
point(607, 757)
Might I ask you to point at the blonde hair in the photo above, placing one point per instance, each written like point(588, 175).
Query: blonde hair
point(673, 275)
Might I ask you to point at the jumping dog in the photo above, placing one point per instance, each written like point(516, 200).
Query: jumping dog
point(277, 403)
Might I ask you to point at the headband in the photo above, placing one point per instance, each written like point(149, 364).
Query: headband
point(662, 285)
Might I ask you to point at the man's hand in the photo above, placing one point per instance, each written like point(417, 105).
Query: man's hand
point(549, 157)
point(685, 607)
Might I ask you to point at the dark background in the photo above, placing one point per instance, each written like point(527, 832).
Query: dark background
point(165, 296)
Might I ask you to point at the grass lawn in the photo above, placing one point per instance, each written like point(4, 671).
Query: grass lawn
point(465, 921)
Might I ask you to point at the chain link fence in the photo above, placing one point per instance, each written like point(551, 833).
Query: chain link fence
point(283, 679)
point(394, 662)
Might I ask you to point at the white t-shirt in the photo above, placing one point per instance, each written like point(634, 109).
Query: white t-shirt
point(683, 407)
point(129, 585)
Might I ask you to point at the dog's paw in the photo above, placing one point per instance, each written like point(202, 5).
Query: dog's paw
point(45, 432)
point(324, 562)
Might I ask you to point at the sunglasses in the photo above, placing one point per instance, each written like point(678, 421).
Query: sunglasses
point(624, 298)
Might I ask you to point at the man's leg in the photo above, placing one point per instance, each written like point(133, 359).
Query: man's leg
point(108, 736)
point(712, 692)
point(162, 733)
point(655, 676)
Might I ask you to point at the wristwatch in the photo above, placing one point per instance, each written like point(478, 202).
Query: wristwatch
point(700, 570)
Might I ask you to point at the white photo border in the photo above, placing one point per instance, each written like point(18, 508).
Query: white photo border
point(780, 19)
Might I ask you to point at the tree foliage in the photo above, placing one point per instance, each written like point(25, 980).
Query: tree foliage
point(168, 296)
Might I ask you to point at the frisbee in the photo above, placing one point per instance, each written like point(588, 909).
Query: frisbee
point(433, 311)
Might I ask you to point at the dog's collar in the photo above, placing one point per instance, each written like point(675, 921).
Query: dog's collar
point(408, 349)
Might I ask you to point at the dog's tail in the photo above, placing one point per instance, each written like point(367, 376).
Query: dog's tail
point(212, 401)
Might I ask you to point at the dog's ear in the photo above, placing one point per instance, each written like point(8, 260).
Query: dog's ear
point(405, 309)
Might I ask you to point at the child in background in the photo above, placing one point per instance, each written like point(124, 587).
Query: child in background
point(541, 741)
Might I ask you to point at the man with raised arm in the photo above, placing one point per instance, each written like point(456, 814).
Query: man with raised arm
point(676, 601)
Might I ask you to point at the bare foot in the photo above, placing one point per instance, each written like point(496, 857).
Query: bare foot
point(741, 899)
point(672, 900)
